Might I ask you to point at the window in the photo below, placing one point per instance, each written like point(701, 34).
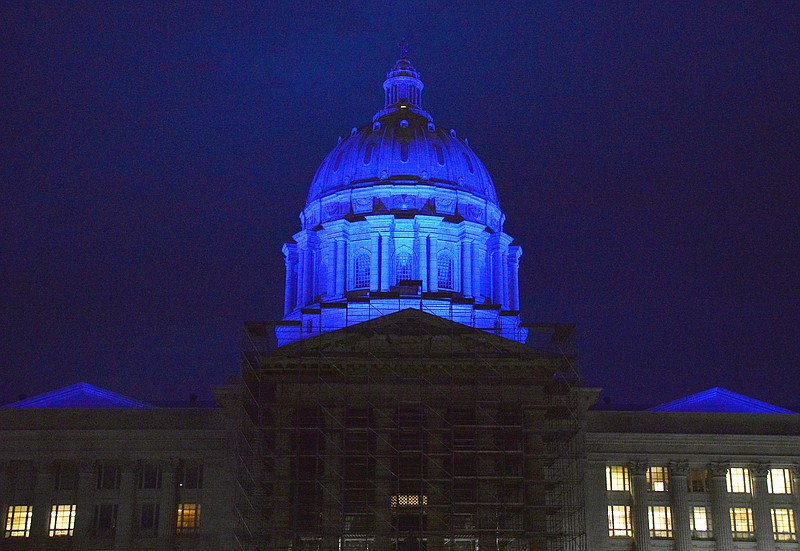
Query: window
point(65, 477)
point(362, 270)
point(660, 521)
point(150, 477)
point(148, 518)
point(657, 479)
point(338, 161)
point(190, 477)
point(105, 519)
point(783, 525)
point(619, 521)
point(409, 501)
point(108, 477)
point(738, 480)
point(404, 152)
point(700, 523)
point(469, 163)
point(403, 263)
point(445, 270)
point(62, 520)
point(439, 154)
point(368, 153)
point(188, 519)
point(18, 521)
point(698, 480)
point(742, 523)
point(779, 481)
point(617, 478)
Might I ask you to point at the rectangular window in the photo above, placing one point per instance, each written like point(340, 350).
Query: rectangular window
point(150, 477)
point(409, 501)
point(660, 521)
point(18, 521)
point(617, 478)
point(657, 479)
point(105, 519)
point(66, 477)
point(742, 523)
point(619, 521)
point(188, 519)
point(190, 477)
point(148, 518)
point(738, 480)
point(108, 477)
point(62, 520)
point(698, 480)
point(783, 526)
point(779, 481)
point(700, 523)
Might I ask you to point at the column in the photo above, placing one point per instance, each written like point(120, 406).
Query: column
point(374, 268)
point(513, 279)
point(385, 248)
point(478, 256)
point(383, 478)
point(720, 511)
point(466, 269)
point(330, 262)
point(423, 260)
point(762, 516)
point(433, 271)
point(678, 496)
point(84, 513)
point(301, 278)
point(309, 276)
point(42, 504)
point(497, 277)
point(127, 488)
point(639, 503)
point(290, 290)
point(168, 508)
point(341, 267)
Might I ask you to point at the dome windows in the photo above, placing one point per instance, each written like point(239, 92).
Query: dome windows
point(404, 151)
point(368, 153)
point(403, 265)
point(444, 274)
point(338, 161)
point(362, 271)
point(439, 154)
point(469, 163)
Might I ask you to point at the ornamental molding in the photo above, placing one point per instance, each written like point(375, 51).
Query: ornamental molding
point(678, 468)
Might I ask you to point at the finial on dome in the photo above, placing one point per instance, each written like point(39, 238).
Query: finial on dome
point(403, 46)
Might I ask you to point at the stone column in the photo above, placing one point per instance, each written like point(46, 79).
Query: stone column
point(332, 496)
point(385, 265)
point(383, 477)
point(466, 268)
point(84, 513)
point(478, 256)
point(301, 278)
point(42, 504)
point(341, 267)
point(762, 516)
point(329, 252)
point(679, 499)
point(497, 277)
point(423, 260)
point(374, 267)
point(433, 271)
point(513, 279)
point(168, 507)
point(127, 488)
point(720, 511)
point(309, 276)
point(504, 278)
point(639, 503)
point(290, 290)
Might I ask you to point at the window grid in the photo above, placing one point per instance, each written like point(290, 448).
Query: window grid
point(783, 527)
point(742, 523)
point(148, 518)
point(445, 271)
point(738, 480)
point(700, 523)
point(105, 518)
point(188, 519)
point(619, 521)
point(657, 479)
point(660, 521)
point(409, 501)
point(402, 265)
point(62, 520)
point(617, 478)
point(779, 481)
point(18, 521)
point(362, 271)
point(698, 480)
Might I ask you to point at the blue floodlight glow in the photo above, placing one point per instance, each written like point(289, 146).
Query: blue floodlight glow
point(719, 400)
point(80, 396)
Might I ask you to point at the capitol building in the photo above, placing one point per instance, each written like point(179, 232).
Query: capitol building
point(401, 403)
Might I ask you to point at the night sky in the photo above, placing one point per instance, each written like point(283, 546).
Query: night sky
point(156, 157)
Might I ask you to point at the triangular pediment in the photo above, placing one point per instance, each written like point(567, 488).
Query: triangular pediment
point(719, 400)
point(81, 396)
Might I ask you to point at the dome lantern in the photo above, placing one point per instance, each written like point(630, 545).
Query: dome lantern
point(402, 85)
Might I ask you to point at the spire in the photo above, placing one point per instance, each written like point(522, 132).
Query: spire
point(402, 85)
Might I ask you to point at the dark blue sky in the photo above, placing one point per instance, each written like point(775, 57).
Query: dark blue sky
point(155, 158)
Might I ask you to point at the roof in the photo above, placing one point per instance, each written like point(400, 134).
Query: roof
point(719, 400)
point(80, 396)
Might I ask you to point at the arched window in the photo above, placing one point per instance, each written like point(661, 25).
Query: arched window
point(469, 163)
point(338, 161)
point(445, 267)
point(404, 151)
point(439, 154)
point(368, 153)
point(403, 265)
point(361, 271)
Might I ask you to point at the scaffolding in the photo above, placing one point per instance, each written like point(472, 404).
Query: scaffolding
point(410, 431)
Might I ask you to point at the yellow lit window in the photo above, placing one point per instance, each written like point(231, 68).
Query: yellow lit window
point(657, 479)
point(409, 501)
point(660, 521)
point(738, 480)
point(742, 523)
point(18, 521)
point(617, 478)
point(619, 521)
point(700, 523)
point(188, 518)
point(779, 481)
point(783, 526)
point(62, 520)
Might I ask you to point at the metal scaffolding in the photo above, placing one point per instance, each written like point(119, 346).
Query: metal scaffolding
point(410, 431)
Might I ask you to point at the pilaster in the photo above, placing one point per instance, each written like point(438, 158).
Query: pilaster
point(127, 487)
point(168, 507)
point(84, 512)
point(466, 268)
point(514, 254)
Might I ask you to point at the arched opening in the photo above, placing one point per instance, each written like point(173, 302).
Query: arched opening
point(444, 263)
point(403, 264)
point(361, 272)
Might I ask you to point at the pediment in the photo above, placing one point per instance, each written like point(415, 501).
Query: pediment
point(81, 396)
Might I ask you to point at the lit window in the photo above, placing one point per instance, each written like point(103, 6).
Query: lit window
point(700, 523)
point(150, 477)
point(444, 264)
point(148, 518)
point(105, 518)
point(409, 501)
point(188, 518)
point(783, 525)
point(657, 479)
point(18, 521)
point(660, 521)
point(62, 520)
point(779, 481)
point(190, 477)
point(362, 268)
point(619, 521)
point(698, 480)
point(403, 265)
point(742, 523)
point(738, 480)
point(617, 478)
